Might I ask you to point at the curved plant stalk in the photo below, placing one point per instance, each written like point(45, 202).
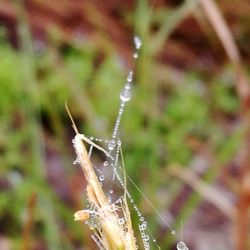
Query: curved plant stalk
point(111, 234)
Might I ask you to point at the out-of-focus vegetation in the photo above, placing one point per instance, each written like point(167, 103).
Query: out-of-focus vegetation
point(184, 132)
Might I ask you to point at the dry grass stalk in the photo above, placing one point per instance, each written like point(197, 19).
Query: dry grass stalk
point(207, 191)
point(27, 230)
point(111, 234)
point(223, 32)
point(242, 87)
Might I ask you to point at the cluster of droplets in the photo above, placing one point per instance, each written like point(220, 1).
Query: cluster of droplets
point(181, 246)
point(112, 161)
point(143, 223)
point(97, 240)
point(126, 94)
point(145, 237)
point(115, 143)
point(116, 159)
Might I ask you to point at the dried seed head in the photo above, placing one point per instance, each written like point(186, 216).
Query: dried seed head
point(91, 196)
point(81, 215)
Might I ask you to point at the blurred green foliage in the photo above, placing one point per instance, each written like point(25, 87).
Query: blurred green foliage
point(157, 127)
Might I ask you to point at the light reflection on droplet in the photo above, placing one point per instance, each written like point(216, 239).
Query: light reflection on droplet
point(101, 177)
point(137, 42)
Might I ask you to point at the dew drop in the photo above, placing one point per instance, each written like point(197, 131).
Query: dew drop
point(121, 221)
point(91, 138)
point(75, 162)
point(137, 42)
point(130, 76)
point(181, 246)
point(119, 143)
point(101, 177)
point(111, 191)
point(142, 218)
point(135, 207)
point(135, 55)
point(111, 145)
point(127, 86)
point(143, 226)
point(125, 95)
point(173, 232)
point(105, 163)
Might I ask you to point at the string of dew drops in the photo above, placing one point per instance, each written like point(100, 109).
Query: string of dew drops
point(125, 96)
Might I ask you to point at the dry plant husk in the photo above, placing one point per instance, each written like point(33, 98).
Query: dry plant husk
point(111, 234)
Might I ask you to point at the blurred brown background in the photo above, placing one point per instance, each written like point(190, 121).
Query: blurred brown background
point(185, 133)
